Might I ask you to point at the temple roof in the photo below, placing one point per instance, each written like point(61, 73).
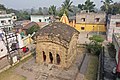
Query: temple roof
point(58, 29)
point(64, 19)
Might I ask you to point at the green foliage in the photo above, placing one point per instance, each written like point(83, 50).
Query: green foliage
point(2, 7)
point(40, 11)
point(111, 50)
point(32, 29)
point(88, 6)
point(113, 8)
point(66, 7)
point(52, 10)
point(111, 45)
point(95, 46)
point(106, 6)
point(96, 38)
point(23, 15)
point(45, 11)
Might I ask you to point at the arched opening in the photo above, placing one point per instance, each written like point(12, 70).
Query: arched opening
point(44, 56)
point(58, 58)
point(51, 57)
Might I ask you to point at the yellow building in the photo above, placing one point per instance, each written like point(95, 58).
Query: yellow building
point(91, 22)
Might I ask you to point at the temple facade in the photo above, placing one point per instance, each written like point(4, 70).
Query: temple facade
point(57, 45)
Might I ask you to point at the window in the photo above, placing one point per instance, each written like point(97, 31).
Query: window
point(1, 50)
point(82, 28)
point(2, 21)
point(40, 20)
point(9, 21)
point(117, 24)
point(45, 20)
point(97, 19)
point(51, 57)
point(49, 17)
point(44, 56)
point(83, 19)
point(14, 18)
point(58, 59)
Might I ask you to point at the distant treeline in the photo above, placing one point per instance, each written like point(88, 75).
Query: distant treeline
point(67, 7)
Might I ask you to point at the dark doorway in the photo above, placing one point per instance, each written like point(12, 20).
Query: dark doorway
point(51, 57)
point(58, 58)
point(44, 56)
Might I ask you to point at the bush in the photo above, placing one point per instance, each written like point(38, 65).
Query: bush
point(96, 38)
point(32, 29)
point(111, 45)
point(95, 46)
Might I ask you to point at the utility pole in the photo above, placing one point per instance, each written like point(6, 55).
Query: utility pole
point(17, 43)
point(7, 46)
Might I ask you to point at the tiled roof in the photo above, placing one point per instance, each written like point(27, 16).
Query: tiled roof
point(58, 29)
point(30, 25)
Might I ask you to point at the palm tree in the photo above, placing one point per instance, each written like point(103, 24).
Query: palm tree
point(106, 5)
point(66, 7)
point(52, 10)
point(88, 6)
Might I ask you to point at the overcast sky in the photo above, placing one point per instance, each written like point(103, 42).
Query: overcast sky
point(27, 4)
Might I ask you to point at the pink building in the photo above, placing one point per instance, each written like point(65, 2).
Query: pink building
point(113, 26)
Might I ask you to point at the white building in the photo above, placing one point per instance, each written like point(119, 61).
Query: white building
point(113, 26)
point(11, 39)
point(6, 20)
point(41, 18)
point(3, 49)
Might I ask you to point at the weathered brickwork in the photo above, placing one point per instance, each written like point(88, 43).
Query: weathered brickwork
point(53, 48)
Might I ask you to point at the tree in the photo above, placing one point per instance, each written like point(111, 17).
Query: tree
point(95, 46)
point(32, 10)
point(23, 15)
point(66, 7)
point(80, 6)
point(88, 6)
point(45, 11)
point(106, 6)
point(52, 10)
point(113, 8)
point(75, 10)
point(40, 11)
point(33, 29)
point(2, 7)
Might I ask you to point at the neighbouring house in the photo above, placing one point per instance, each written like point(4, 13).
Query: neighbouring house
point(21, 23)
point(94, 22)
point(6, 20)
point(10, 40)
point(21, 27)
point(116, 42)
point(29, 25)
point(57, 44)
point(41, 18)
point(3, 49)
point(113, 26)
